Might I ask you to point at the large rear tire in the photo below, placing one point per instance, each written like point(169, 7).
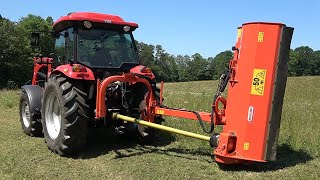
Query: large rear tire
point(64, 115)
point(30, 122)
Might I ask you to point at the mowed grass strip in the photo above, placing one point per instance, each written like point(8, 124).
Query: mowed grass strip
point(173, 157)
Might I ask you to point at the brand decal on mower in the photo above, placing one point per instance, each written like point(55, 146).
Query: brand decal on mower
point(250, 113)
point(258, 81)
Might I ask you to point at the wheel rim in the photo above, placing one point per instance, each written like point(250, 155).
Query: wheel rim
point(53, 116)
point(25, 114)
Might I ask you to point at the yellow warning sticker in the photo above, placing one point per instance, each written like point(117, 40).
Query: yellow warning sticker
point(260, 36)
point(246, 146)
point(258, 81)
point(239, 33)
point(160, 112)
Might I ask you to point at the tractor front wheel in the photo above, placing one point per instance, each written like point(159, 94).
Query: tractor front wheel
point(64, 115)
point(30, 122)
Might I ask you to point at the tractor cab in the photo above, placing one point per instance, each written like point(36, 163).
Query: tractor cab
point(97, 41)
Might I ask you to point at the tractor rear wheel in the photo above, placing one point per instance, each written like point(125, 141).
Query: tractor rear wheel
point(64, 115)
point(31, 123)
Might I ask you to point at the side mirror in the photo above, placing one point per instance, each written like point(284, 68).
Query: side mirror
point(66, 34)
point(35, 38)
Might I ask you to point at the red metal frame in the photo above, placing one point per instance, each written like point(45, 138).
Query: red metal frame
point(182, 114)
point(39, 63)
point(101, 109)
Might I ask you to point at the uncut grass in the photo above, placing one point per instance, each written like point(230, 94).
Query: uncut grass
point(175, 157)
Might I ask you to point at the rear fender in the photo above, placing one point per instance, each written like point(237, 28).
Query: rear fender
point(66, 69)
point(138, 69)
point(34, 93)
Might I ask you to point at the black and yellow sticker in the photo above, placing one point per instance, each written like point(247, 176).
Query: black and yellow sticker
point(160, 111)
point(258, 81)
point(246, 146)
point(260, 36)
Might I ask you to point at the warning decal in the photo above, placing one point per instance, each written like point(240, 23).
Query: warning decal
point(258, 81)
point(260, 36)
point(160, 111)
point(246, 146)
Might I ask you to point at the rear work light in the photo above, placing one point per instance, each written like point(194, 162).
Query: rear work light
point(126, 28)
point(145, 70)
point(87, 24)
point(78, 68)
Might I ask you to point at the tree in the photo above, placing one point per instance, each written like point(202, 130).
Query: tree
point(293, 63)
point(146, 54)
point(305, 57)
point(16, 53)
point(316, 56)
point(199, 68)
point(16, 56)
point(182, 67)
point(12, 59)
point(221, 63)
point(36, 23)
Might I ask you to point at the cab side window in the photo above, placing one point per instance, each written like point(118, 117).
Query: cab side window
point(69, 37)
point(60, 49)
point(64, 47)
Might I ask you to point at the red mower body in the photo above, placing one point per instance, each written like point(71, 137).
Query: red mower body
point(255, 93)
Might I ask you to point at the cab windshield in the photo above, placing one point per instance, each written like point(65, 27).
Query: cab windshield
point(105, 48)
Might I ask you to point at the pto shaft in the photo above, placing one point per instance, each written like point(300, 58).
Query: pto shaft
point(161, 127)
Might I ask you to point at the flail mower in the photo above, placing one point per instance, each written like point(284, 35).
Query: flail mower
point(94, 78)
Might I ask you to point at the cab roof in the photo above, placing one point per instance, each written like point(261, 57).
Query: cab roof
point(92, 17)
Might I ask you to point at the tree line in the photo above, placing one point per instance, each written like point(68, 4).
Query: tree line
point(16, 63)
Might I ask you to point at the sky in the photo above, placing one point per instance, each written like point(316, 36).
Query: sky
point(187, 27)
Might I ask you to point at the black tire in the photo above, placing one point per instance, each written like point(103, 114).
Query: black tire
point(73, 112)
point(30, 122)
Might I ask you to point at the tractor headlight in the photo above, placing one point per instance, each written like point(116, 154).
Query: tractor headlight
point(87, 24)
point(126, 28)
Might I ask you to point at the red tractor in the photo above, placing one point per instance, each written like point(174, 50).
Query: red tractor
point(61, 102)
point(94, 78)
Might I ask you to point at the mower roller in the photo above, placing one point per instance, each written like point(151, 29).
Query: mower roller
point(94, 79)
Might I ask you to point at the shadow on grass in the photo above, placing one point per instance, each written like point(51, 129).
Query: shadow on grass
point(191, 154)
point(101, 141)
point(287, 157)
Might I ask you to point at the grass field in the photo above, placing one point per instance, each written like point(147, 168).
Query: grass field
point(172, 157)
